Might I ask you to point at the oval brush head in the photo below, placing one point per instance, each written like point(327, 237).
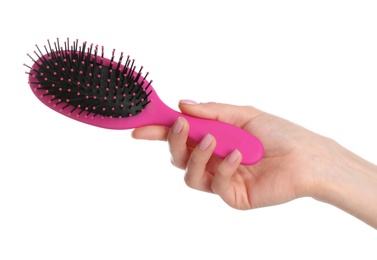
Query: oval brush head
point(79, 82)
point(87, 82)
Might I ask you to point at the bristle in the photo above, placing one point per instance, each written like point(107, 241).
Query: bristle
point(74, 79)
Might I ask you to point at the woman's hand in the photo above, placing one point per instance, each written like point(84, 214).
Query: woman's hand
point(285, 172)
point(296, 163)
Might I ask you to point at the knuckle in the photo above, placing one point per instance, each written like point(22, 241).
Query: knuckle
point(194, 159)
point(181, 164)
point(189, 180)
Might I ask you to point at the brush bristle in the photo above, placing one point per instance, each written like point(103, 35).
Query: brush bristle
point(82, 79)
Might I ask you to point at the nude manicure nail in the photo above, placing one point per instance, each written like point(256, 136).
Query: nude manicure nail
point(205, 143)
point(188, 102)
point(178, 125)
point(233, 156)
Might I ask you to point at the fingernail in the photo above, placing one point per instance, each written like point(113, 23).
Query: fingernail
point(233, 156)
point(205, 143)
point(178, 125)
point(188, 102)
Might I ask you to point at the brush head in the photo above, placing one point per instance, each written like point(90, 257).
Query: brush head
point(79, 79)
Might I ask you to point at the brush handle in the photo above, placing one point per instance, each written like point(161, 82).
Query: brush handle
point(228, 137)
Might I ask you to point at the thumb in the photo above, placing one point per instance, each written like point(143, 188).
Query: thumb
point(231, 114)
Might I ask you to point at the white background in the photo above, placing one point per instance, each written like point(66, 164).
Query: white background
point(73, 191)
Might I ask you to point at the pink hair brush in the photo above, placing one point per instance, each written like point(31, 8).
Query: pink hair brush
point(78, 82)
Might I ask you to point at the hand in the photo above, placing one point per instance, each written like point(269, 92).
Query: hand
point(296, 163)
point(285, 172)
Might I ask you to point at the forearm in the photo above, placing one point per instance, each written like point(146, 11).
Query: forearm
point(349, 183)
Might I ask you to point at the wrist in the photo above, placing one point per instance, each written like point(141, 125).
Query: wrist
point(347, 181)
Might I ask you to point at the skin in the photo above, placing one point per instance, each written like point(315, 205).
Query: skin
point(297, 163)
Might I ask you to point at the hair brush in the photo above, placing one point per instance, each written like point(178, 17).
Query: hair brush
point(79, 82)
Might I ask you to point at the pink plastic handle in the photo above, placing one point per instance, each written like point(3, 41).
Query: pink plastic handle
point(228, 137)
